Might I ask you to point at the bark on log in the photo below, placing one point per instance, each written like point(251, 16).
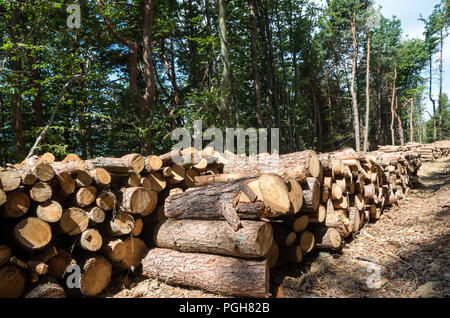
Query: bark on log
point(130, 162)
point(311, 195)
point(219, 274)
point(298, 165)
point(326, 238)
point(5, 254)
point(46, 290)
point(206, 202)
point(253, 240)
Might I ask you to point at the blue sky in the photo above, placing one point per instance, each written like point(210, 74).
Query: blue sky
point(409, 11)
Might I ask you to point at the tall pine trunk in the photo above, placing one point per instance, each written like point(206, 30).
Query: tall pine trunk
point(259, 118)
point(352, 90)
point(366, 126)
point(226, 72)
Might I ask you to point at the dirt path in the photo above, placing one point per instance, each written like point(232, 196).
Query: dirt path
point(406, 253)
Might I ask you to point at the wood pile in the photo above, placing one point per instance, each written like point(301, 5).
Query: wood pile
point(91, 213)
point(303, 200)
point(428, 152)
point(225, 220)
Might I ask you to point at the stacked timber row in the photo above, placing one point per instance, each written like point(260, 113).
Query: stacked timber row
point(311, 201)
point(427, 152)
point(85, 212)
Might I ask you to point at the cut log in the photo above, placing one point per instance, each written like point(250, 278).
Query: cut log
point(57, 265)
point(206, 202)
point(48, 289)
point(311, 195)
point(295, 194)
point(74, 221)
point(341, 204)
point(298, 165)
point(96, 215)
point(306, 241)
point(41, 192)
point(291, 254)
point(152, 203)
point(138, 227)
point(69, 166)
point(253, 240)
point(336, 192)
point(326, 238)
point(114, 249)
point(12, 282)
point(91, 240)
point(319, 215)
point(50, 211)
point(283, 237)
point(106, 200)
point(85, 196)
point(71, 157)
point(135, 199)
point(42, 170)
point(130, 162)
point(32, 233)
point(219, 274)
point(17, 204)
point(121, 224)
point(299, 224)
point(5, 254)
point(95, 275)
point(157, 181)
point(66, 183)
point(83, 179)
point(189, 177)
point(354, 219)
point(9, 180)
point(325, 194)
point(101, 176)
point(342, 183)
point(357, 200)
point(47, 157)
point(135, 251)
point(153, 163)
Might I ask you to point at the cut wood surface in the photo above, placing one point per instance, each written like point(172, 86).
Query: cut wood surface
point(220, 274)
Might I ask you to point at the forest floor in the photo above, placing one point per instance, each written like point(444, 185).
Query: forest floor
point(406, 253)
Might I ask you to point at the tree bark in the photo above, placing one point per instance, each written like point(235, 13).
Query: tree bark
point(253, 240)
point(352, 88)
point(226, 72)
point(219, 274)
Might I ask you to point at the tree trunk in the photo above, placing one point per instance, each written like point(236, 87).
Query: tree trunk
point(393, 112)
point(440, 87)
point(431, 97)
point(352, 89)
point(226, 72)
point(253, 240)
point(297, 165)
point(366, 126)
point(219, 274)
point(254, 53)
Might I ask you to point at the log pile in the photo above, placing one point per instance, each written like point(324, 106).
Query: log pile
point(91, 213)
point(308, 200)
point(226, 220)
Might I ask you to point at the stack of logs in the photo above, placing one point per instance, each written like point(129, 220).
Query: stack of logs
point(218, 232)
point(218, 221)
point(427, 152)
point(85, 212)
